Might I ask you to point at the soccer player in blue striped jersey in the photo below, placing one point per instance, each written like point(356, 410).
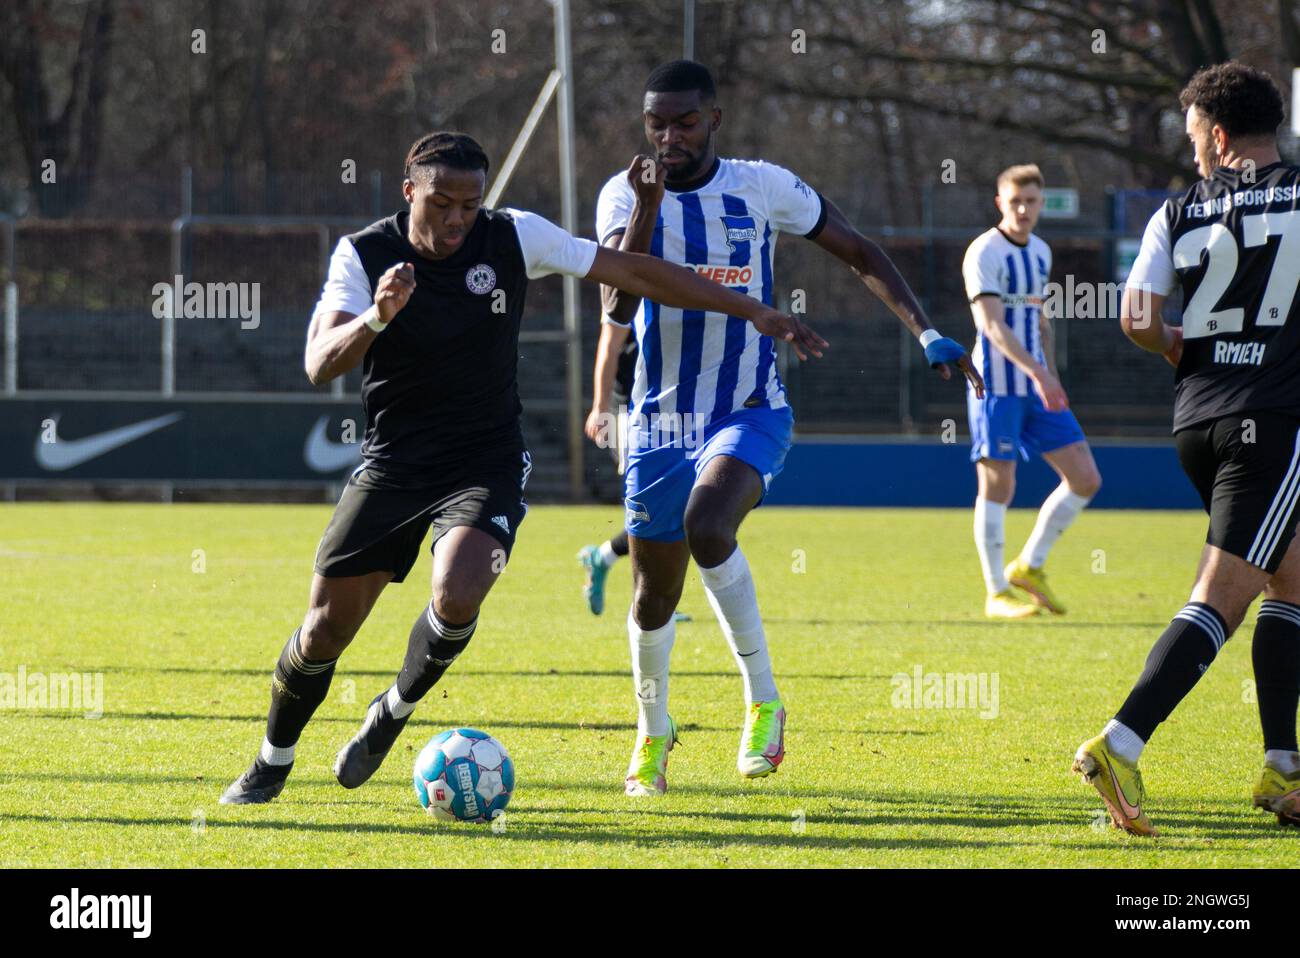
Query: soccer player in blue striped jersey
point(1024, 409)
point(709, 424)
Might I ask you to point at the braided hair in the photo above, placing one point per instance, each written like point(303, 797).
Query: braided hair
point(460, 151)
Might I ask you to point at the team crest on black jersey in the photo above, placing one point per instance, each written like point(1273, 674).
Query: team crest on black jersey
point(481, 279)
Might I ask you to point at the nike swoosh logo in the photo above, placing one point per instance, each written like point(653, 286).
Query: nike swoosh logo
point(64, 454)
point(1131, 811)
point(325, 455)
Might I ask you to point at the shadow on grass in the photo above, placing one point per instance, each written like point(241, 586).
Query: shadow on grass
point(576, 833)
point(625, 674)
point(520, 828)
point(1035, 623)
point(437, 724)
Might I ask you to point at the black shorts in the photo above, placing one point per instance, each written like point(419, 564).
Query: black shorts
point(1246, 468)
point(380, 522)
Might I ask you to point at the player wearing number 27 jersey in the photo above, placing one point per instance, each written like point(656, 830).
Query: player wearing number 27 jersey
point(1231, 246)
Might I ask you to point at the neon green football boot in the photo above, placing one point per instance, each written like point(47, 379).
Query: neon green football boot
point(1007, 605)
point(1034, 581)
point(1119, 783)
point(1280, 794)
point(762, 743)
point(647, 772)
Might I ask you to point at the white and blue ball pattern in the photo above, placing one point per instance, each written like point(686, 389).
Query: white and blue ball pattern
point(464, 775)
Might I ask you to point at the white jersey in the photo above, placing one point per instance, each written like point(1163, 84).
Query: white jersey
point(997, 266)
point(701, 364)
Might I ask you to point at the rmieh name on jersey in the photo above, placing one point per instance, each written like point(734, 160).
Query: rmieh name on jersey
point(1232, 243)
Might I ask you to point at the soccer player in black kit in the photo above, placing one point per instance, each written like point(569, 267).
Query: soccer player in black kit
point(429, 302)
point(1232, 244)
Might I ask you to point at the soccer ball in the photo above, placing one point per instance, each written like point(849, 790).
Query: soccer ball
point(464, 775)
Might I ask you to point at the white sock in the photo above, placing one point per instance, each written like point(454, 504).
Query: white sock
point(990, 519)
point(650, 653)
point(1059, 509)
point(607, 554)
point(730, 588)
point(274, 754)
point(1123, 741)
point(1288, 763)
point(398, 705)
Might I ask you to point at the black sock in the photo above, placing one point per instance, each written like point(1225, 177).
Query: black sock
point(297, 688)
point(619, 544)
point(432, 647)
point(1275, 654)
point(1176, 663)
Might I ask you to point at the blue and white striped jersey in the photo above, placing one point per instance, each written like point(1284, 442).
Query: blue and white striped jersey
point(698, 364)
point(995, 265)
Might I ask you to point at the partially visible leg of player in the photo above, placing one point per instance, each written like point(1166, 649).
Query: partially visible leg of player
point(466, 564)
point(1275, 655)
point(658, 573)
point(997, 487)
point(725, 492)
point(598, 560)
point(337, 609)
point(1225, 587)
point(1246, 477)
point(1080, 481)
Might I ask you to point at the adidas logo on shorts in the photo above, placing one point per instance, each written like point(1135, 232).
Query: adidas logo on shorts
point(503, 523)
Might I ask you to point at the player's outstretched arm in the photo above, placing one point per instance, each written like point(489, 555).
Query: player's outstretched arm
point(337, 341)
point(673, 285)
point(612, 338)
point(839, 238)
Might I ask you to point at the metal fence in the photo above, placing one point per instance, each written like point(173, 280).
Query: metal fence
point(82, 314)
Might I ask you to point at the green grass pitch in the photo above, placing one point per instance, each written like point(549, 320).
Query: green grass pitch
point(186, 640)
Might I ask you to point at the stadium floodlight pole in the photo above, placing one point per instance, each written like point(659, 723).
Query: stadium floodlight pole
point(522, 140)
point(1295, 100)
point(168, 384)
point(11, 305)
point(569, 220)
point(559, 81)
point(323, 252)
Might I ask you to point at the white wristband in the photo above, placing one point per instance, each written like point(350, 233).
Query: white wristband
point(374, 322)
point(929, 336)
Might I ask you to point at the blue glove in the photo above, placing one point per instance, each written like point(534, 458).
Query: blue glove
point(943, 350)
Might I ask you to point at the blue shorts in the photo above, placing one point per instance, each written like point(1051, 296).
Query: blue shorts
point(659, 481)
point(1002, 427)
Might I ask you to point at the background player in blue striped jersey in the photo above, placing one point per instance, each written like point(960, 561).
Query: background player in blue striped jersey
point(1024, 409)
point(709, 424)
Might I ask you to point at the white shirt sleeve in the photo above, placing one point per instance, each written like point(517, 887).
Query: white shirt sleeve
point(981, 270)
point(347, 287)
point(792, 205)
point(548, 249)
point(1154, 267)
point(614, 207)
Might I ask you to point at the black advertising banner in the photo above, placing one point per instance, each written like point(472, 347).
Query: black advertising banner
point(179, 439)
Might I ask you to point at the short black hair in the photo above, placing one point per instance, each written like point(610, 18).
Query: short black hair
point(679, 76)
point(1239, 98)
point(460, 151)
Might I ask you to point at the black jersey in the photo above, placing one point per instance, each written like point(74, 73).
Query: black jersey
point(1233, 246)
point(439, 383)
